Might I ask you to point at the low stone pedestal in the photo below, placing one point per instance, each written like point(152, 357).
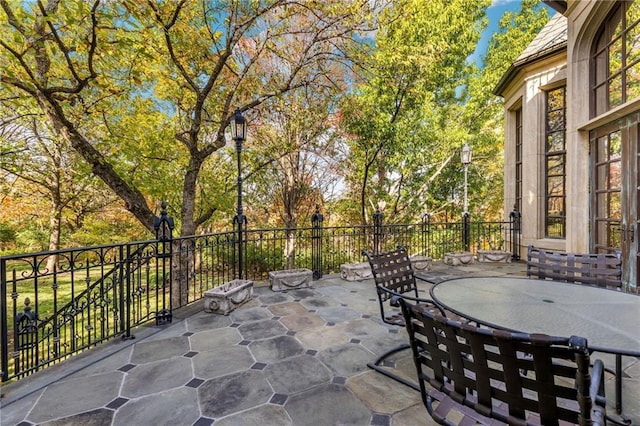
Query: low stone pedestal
point(494, 256)
point(458, 258)
point(224, 299)
point(421, 263)
point(355, 271)
point(290, 279)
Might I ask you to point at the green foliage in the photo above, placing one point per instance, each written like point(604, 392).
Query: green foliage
point(297, 161)
point(403, 122)
point(516, 31)
point(107, 228)
point(7, 236)
point(32, 239)
point(144, 91)
point(483, 112)
point(139, 96)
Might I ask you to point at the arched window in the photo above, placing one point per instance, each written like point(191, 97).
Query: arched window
point(616, 59)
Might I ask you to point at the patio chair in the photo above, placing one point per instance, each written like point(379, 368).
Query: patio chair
point(597, 269)
point(394, 278)
point(393, 274)
point(473, 375)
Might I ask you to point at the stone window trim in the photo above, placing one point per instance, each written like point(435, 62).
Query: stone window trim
point(614, 59)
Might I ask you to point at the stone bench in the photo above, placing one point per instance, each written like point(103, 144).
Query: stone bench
point(458, 258)
point(224, 299)
point(291, 279)
point(355, 271)
point(492, 256)
point(421, 263)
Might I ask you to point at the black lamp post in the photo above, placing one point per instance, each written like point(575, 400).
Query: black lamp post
point(465, 158)
point(238, 134)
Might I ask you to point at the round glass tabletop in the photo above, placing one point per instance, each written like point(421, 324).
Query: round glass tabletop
point(608, 319)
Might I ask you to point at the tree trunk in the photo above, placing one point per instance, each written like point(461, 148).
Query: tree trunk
point(188, 224)
point(182, 271)
point(290, 248)
point(133, 199)
point(54, 236)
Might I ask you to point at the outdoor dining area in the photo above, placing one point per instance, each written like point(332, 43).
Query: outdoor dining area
point(313, 356)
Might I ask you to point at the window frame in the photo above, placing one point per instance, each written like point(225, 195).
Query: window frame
point(601, 54)
point(518, 159)
point(559, 155)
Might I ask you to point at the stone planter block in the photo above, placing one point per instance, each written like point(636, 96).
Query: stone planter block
point(355, 271)
point(458, 258)
point(494, 256)
point(291, 279)
point(421, 263)
point(227, 297)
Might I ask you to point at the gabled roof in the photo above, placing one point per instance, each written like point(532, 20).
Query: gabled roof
point(558, 5)
point(551, 39)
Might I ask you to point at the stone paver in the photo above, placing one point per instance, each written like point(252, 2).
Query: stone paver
point(362, 328)
point(206, 322)
point(80, 394)
point(330, 404)
point(160, 349)
point(297, 374)
point(99, 417)
point(276, 349)
point(337, 314)
point(222, 361)
point(233, 393)
point(262, 329)
point(283, 359)
point(106, 365)
point(156, 376)
point(413, 416)
point(382, 394)
point(346, 360)
point(322, 338)
point(316, 302)
point(381, 344)
point(18, 411)
point(252, 314)
point(264, 415)
point(287, 308)
point(171, 407)
point(302, 321)
point(214, 339)
point(274, 298)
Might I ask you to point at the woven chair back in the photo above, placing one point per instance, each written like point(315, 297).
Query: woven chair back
point(507, 376)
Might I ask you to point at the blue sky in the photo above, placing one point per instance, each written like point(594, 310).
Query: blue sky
point(494, 13)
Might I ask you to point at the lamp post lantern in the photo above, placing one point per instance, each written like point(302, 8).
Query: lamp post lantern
point(239, 134)
point(465, 158)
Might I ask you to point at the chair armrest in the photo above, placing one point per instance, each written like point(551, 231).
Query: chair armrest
point(596, 392)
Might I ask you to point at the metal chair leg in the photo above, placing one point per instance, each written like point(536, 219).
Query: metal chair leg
point(618, 383)
point(621, 419)
point(375, 365)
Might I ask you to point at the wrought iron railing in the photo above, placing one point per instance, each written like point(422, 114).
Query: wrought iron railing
point(94, 294)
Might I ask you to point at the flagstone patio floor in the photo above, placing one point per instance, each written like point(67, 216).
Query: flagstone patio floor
point(284, 358)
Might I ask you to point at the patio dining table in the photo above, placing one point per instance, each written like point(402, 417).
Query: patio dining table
point(608, 319)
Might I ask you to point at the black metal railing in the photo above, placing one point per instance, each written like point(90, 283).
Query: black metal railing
point(94, 294)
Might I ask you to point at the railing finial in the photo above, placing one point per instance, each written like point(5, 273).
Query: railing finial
point(317, 217)
point(166, 222)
